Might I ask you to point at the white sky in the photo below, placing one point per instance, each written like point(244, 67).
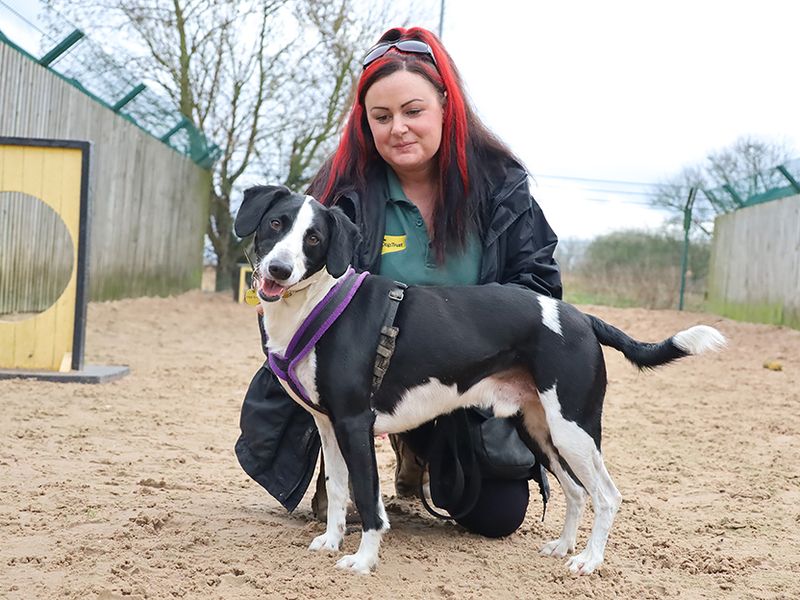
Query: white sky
point(625, 91)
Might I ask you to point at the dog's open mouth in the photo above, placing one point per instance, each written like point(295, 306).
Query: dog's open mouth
point(270, 291)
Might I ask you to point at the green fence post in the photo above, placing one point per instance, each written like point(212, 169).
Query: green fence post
point(714, 201)
point(736, 198)
point(178, 126)
point(128, 97)
point(687, 223)
point(67, 43)
point(792, 180)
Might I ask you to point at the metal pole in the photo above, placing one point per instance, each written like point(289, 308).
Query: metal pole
point(792, 181)
point(128, 97)
point(178, 126)
point(687, 223)
point(441, 18)
point(67, 43)
point(736, 198)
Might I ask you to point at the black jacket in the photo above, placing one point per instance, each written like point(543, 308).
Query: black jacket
point(279, 444)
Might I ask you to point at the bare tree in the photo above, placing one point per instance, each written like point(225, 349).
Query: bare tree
point(267, 80)
point(673, 194)
point(332, 39)
point(741, 166)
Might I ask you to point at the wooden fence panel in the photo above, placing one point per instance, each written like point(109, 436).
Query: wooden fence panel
point(755, 263)
point(150, 203)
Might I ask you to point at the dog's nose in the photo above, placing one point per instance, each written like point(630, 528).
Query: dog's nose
point(280, 270)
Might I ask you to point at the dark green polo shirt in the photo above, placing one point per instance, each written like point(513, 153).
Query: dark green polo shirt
point(407, 255)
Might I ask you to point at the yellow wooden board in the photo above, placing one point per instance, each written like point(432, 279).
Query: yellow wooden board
point(244, 284)
point(53, 175)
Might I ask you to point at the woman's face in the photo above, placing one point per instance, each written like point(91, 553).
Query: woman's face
point(405, 114)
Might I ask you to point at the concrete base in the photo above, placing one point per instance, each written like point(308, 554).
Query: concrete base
point(89, 374)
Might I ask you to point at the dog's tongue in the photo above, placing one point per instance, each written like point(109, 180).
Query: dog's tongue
point(271, 290)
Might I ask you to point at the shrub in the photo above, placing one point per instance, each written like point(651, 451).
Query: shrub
point(638, 268)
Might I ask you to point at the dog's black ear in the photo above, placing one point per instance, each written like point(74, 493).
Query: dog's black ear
point(256, 202)
point(344, 237)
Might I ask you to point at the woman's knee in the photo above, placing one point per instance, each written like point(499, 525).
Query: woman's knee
point(500, 509)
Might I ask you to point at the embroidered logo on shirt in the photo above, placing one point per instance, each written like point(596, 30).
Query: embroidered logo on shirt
point(393, 243)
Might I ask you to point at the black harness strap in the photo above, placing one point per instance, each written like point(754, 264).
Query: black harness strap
point(455, 473)
point(388, 338)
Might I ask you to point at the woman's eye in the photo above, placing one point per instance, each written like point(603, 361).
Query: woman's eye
point(382, 119)
point(276, 224)
point(414, 112)
point(312, 239)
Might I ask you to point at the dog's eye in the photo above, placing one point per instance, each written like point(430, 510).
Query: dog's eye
point(276, 224)
point(312, 239)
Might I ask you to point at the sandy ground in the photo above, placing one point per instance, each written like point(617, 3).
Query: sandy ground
point(131, 489)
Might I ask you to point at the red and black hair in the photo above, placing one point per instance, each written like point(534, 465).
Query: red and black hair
point(467, 153)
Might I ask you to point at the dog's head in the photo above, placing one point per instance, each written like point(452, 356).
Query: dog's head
point(295, 237)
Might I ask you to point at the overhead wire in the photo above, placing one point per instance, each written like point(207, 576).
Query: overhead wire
point(600, 188)
point(602, 191)
point(27, 21)
point(595, 180)
point(655, 189)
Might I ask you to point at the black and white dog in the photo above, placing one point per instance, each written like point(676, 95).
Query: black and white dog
point(495, 346)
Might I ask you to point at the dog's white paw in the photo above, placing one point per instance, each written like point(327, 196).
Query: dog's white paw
point(356, 564)
point(558, 548)
point(327, 541)
point(585, 562)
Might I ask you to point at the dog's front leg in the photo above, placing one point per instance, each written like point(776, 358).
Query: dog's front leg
point(356, 441)
point(336, 486)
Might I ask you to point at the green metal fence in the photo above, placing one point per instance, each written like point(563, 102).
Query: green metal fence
point(772, 184)
point(47, 38)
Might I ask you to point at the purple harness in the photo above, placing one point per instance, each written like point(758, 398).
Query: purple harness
point(313, 328)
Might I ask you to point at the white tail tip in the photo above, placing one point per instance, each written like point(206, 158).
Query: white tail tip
point(699, 339)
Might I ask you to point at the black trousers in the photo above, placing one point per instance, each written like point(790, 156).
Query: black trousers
point(500, 509)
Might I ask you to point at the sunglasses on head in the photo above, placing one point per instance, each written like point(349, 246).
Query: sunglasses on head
point(414, 46)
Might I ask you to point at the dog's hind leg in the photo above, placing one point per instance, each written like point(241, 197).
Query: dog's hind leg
point(356, 441)
point(336, 487)
point(605, 501)
point(576, 499)
point(581, 455)
point(535, 423)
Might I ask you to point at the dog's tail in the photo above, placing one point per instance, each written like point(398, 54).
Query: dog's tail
point(695, 340)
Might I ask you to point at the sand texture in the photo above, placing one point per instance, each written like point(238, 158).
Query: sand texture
point(131, 489)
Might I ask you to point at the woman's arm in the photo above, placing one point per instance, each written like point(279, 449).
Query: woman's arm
point(529, 246)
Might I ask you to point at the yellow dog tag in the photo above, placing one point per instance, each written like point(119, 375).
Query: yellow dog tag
point(251, 297)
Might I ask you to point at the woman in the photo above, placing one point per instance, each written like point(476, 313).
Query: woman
point(439, 200)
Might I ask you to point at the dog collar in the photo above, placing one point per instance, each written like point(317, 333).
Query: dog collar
point(312, 329)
